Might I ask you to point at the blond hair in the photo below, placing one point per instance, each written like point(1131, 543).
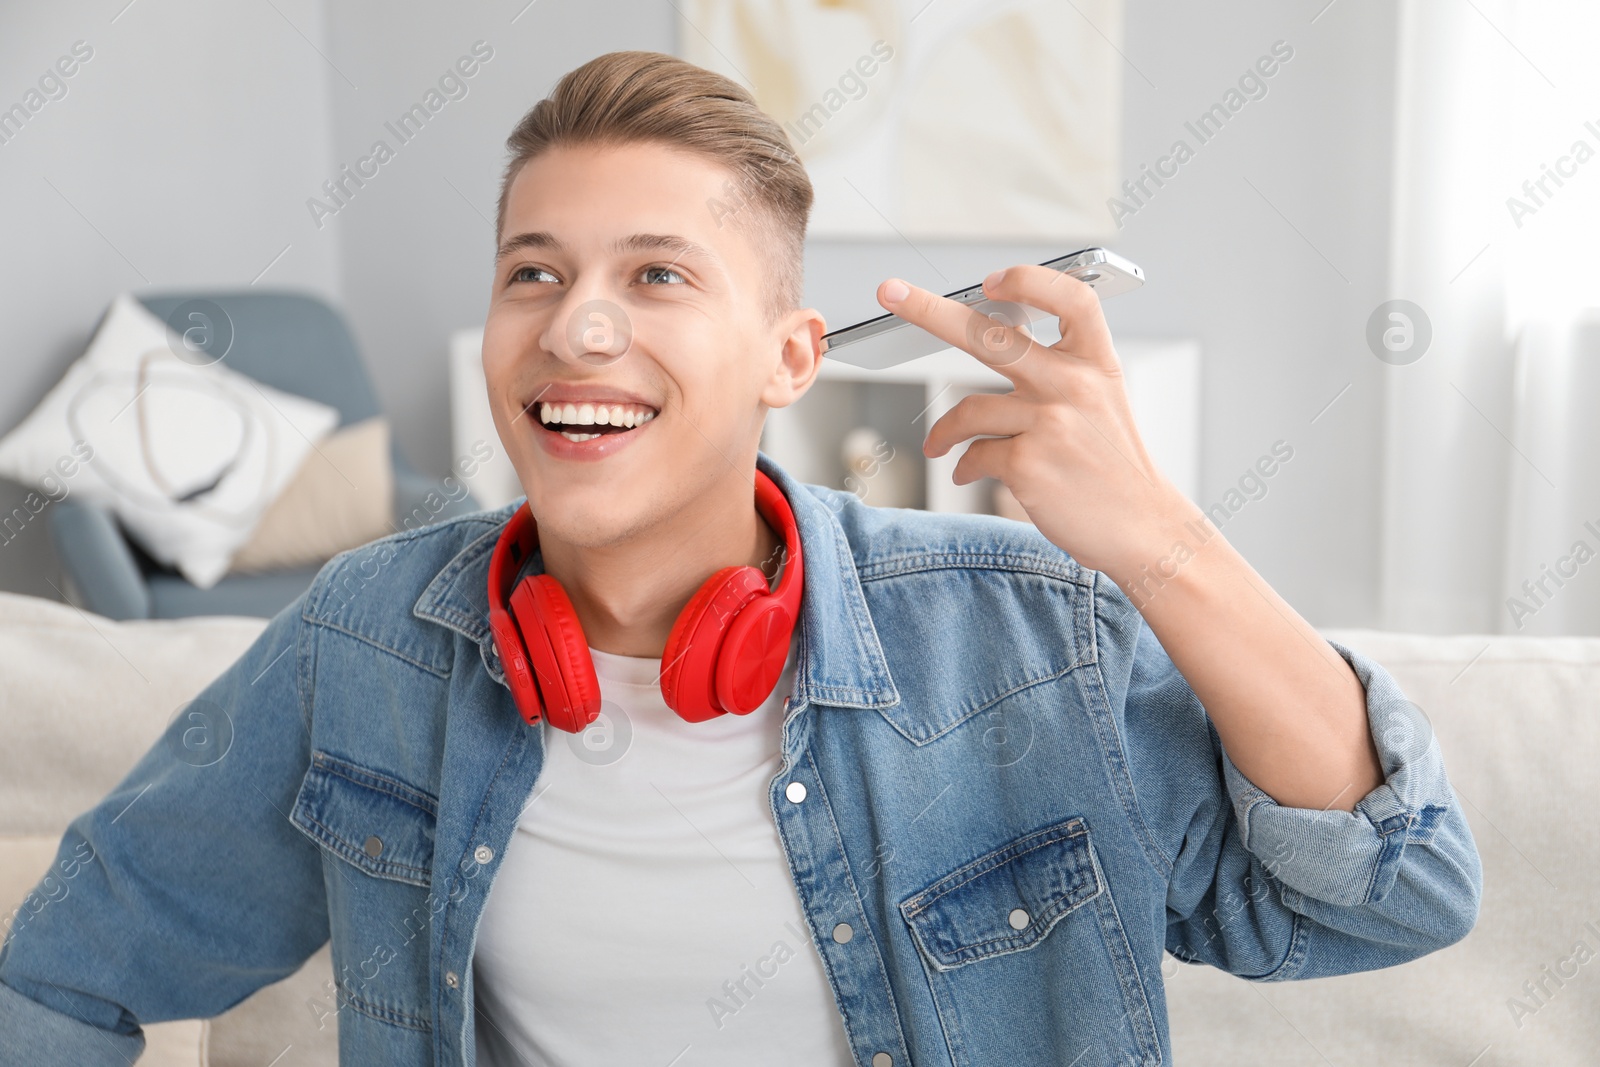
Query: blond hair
point(631, 96)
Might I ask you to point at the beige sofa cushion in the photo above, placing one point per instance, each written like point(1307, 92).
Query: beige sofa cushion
point(1518, 719)
point(83, 698)
point(342, 496)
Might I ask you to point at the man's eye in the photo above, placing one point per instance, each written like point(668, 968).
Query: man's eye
point(520, 274)
point(656, 272)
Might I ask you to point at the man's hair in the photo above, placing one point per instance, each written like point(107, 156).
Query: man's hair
point(631, 97)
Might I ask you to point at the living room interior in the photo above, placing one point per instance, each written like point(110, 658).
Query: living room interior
point(1367, 344)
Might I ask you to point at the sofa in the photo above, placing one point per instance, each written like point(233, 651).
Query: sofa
point(1518, 719)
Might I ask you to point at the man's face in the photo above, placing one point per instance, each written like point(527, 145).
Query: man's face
point(624, 300)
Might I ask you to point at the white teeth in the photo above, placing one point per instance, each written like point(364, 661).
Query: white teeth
point(578, 437)
point(593, 415)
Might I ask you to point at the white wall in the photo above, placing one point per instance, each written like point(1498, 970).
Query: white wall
point(176, 158)
point(1256, 276)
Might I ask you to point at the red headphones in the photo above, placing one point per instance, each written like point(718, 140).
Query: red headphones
point(724, 653)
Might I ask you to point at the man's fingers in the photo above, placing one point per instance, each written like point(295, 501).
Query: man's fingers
point(991, 340)
point(987, 457)
point(978, 414)
point(1075, 304)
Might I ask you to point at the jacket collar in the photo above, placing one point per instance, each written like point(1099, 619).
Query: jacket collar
point(841, 661)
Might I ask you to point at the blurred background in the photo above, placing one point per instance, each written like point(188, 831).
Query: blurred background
point(1367, 343)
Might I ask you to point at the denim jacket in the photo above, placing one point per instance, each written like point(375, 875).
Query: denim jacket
point(1012, 798)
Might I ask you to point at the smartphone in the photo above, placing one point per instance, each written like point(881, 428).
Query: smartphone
point(889, 340)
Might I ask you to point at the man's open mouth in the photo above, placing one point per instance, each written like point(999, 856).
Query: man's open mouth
point(585, 422)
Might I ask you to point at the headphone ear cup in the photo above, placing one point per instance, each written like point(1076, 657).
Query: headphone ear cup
point(688, 665)
point(557, 651)
point(752, 656)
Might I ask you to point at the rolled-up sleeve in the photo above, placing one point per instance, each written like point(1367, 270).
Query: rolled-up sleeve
point(1353, 858)
point(34, 1034)
point(1272, 892)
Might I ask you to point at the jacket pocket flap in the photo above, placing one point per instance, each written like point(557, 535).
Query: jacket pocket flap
point(1006, 900)
point(368, 819)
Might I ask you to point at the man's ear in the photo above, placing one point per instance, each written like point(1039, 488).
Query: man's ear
point(799, 357)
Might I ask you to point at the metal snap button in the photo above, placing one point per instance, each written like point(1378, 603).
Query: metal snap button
point(451, 980)
point(1018, 918)
point(843, 933)
point(483, 854)
point(374, 846)
point(795, 791)
point(882, 1059)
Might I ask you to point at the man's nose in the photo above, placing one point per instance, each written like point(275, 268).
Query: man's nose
point(590, 328)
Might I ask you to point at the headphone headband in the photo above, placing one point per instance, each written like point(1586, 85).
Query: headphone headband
point(774, 507)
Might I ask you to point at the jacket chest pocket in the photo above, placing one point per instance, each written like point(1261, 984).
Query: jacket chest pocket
point(378, 836)
point(1027, 958)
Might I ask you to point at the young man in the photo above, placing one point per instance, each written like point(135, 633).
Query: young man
point(959, 808)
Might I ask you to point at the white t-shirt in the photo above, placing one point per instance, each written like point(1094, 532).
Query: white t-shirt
point(644, 912)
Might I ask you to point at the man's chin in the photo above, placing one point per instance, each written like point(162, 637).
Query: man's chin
point(589, 530)
point(586, 511)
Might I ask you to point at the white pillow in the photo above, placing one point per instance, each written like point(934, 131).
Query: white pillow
point(188, 457)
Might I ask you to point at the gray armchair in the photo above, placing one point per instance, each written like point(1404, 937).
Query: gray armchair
point(291, 341)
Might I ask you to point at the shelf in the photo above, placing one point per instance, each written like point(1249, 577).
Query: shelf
point(1162, 379)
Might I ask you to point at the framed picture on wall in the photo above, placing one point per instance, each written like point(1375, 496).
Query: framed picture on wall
point(940, 119)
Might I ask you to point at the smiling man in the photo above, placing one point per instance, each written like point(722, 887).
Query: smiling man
point(681, 761)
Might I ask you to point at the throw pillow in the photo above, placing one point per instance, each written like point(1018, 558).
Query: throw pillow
point(342, 496)
point(188, 457)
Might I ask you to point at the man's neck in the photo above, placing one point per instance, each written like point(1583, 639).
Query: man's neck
point(628, 595)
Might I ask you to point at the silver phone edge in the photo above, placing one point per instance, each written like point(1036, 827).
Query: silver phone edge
point(1092, 257)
